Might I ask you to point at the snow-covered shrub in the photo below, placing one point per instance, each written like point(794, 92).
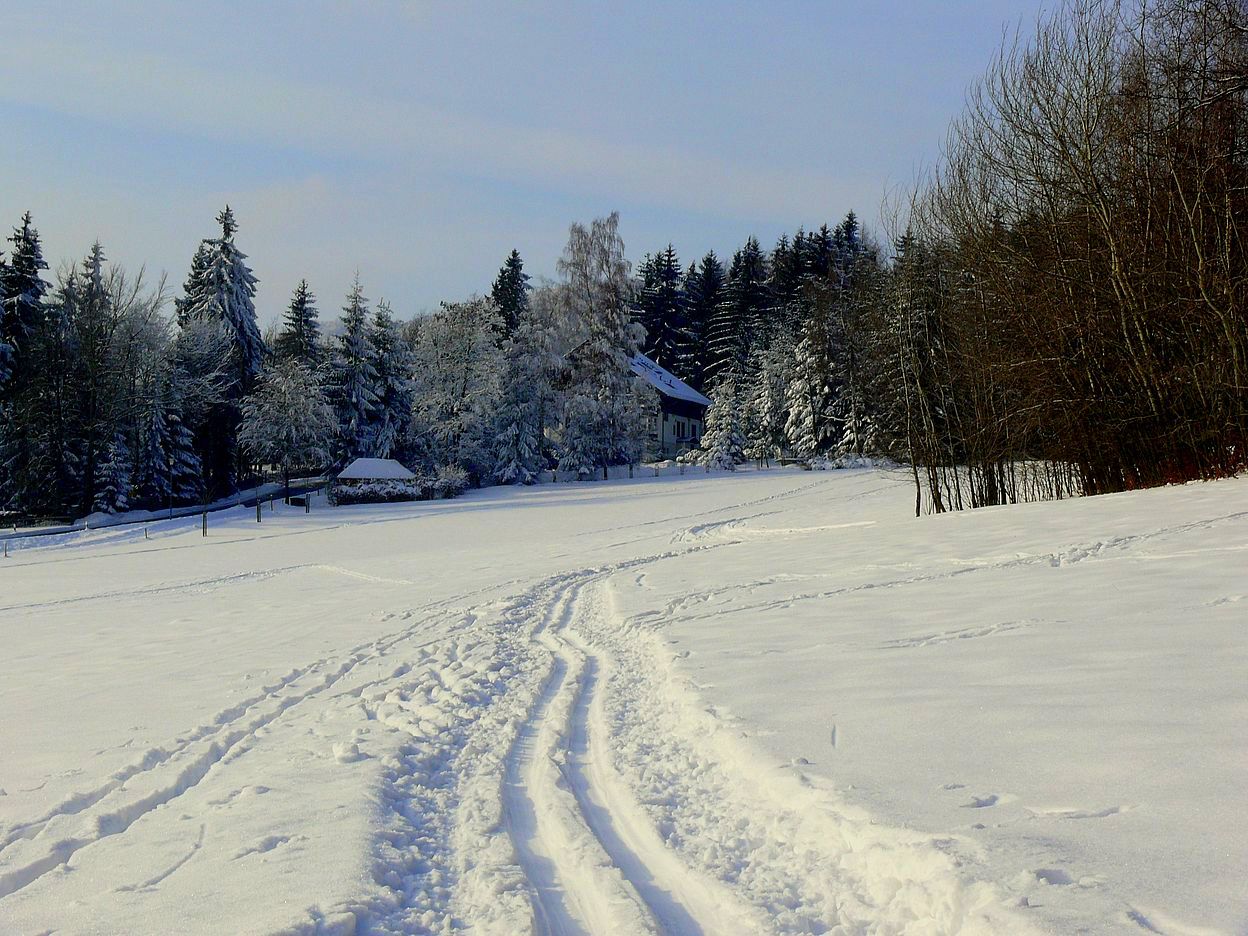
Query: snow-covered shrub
point(379, 492)
point(451, 482)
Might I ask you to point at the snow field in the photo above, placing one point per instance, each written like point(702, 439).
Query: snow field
point(768, 703)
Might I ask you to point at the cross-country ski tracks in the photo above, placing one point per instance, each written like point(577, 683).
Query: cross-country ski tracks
point(30, 849)
point(799, 859)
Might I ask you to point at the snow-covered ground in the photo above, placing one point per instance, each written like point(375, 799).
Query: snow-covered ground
point(772, 702)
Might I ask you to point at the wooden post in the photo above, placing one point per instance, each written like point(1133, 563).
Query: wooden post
point(205, 523)
point(258, 520)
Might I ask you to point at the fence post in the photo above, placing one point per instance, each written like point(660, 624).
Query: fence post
point(258, 502)
point(205, 523)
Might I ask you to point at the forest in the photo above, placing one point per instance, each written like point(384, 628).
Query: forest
point(1060, 309)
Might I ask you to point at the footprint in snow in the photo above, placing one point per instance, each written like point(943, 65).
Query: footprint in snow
point(987, 800)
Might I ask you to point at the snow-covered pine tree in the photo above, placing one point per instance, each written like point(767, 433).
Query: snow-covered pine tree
point(7, 351)
point(299, 338)
point(52, 406)
point(186, 472)
point(221, 290)
point(741, 318)
point(22, 291)
point(604, 404)
point(511, 293)
point(95, 324)
point(152, 480)
point(662, 312)
point(393, 361)
point(354, 383)
point(809, 397)
point(723, 443)
point(702, 287)
point(765, 415)
point(195, 285)
point(524, 401)
point(112, 485)
point(224, 290)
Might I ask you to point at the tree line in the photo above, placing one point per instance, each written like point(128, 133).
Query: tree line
point(1062, 314)
point(1072, 297)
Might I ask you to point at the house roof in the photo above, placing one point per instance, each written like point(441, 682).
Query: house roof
point(666, 383)
point(375, 469)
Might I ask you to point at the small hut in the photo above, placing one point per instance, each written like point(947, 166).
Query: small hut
point(376, 481)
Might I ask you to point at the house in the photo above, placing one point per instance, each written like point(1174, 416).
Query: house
point(679, 422)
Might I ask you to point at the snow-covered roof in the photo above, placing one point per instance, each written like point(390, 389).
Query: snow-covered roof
point(375, 469)
point(666, 383)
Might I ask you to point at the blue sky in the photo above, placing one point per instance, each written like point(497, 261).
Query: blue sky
point(421, 141)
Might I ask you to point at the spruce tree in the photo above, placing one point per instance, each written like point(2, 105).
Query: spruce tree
point(301, 330)
point(662, 312)
point(112, 485)
point(723, 443)
point(354, 383)
point(221, 290)
point(393, 362)
point(525, 397)
point(703, 287)
point(737, 320)
point(511, 293)
point(22, 291)
point(764, 407)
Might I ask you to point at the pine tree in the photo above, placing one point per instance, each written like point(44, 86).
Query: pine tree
point(765, 416)
point(394, 364)
point(186, 472)
point(22, 291)
point(152, 479)
point(703, 287)
point(511, 293)
point(52, 407)
point(224, 290)
point(723, 443)
point(808, 398)
point(95, 325)
point(354, 385)
point(112, 486)
point(740, 320)
point(662, 312)
point(220, 291)
point(8, 353)
point(301, 331)
point(525, 396)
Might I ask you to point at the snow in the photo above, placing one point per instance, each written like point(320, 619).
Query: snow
point(665, 382)
point(375, 469)
point(762, 702)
